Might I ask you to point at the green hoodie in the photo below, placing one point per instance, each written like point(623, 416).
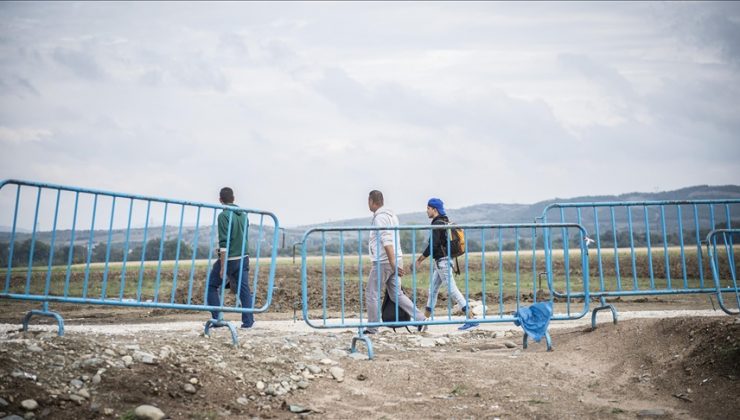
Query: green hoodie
point(239, 222)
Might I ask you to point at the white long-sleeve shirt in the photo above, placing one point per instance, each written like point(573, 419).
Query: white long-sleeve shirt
point(384, 217)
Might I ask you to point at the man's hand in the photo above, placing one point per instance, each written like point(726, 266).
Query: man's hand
point(391, 253)
point(418, 263)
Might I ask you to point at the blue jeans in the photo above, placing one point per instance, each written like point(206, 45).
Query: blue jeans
point(232, 272)
point(443, 277)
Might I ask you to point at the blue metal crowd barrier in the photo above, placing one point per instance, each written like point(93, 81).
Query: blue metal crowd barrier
point(501, 265)
point(646, 247)
point(721, 252)
point(74, 245)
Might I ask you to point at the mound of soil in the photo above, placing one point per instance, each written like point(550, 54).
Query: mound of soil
point(673, 368)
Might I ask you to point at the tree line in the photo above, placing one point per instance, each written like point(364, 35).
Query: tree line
point(100, 252)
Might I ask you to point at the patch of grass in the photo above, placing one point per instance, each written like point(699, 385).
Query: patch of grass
point(129, 415)
point(210, 415)
point(458, 390)
point(617, 410)
point(537, 402)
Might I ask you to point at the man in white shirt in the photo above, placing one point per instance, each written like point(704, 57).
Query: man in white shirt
point(386, 257)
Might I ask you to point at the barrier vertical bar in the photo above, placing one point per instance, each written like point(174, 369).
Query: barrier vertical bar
point(683, 255)
point(727, 217)
point(126, 249)
point(598, 245)
point(323, 276)
point(71, 244)
point(258, 252)
point(210, 256)
point(433, 299)
point(177, 256)
point(616, 250)
point(161, 253)
point(104, 287)
point(33, 241)
point(89, 247)
point(500, 273)
point(547, 242)
point(378, 240)
point(698, 247)
point(580, 236)
point(566, 256)
point(467, 275)
point(548, 263)
point(413, 267)
point(731, 250)
point(225, 263)
point(534, 264)
point(665, 248)
point(341, 273)
point(243, 251)
point(483, 270)
point(731, 259)
point(516, 254)
point(47, 288)
point(143, 251)
point(360, 274)
point(396, 279)
point(12, 239)
point(195, 252)
point(632, 249)
point(649, 249)
point(566, 259)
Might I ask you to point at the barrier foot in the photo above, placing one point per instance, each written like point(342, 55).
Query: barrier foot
point(45, 312)
point(548, 340)
point(603, 306)
point(368, 343)
point(216, 323)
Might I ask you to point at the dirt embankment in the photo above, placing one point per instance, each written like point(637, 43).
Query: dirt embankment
point(674, 368)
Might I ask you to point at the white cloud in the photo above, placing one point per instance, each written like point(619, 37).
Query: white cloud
point(23, 135)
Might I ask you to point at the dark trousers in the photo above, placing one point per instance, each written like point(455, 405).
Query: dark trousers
point(232, 273)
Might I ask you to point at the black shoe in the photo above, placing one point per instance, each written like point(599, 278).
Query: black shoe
point(369, 332)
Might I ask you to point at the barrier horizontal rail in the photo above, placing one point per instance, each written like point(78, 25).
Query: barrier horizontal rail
point(646, 248)
point(501, 266)
point(721, 252)
point(82, 246)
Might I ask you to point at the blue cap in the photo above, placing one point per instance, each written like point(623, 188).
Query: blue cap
point(437, 204)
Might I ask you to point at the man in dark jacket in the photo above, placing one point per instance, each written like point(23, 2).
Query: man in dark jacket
point(442, 268)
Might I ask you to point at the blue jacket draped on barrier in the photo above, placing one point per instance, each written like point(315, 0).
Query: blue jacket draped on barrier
point(534, 319)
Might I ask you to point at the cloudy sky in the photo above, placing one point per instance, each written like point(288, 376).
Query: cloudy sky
point(304, 107)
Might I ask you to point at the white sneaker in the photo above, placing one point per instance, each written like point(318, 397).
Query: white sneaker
point(423, 328)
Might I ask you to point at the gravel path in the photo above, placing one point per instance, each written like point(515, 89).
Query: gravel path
point(302, 327)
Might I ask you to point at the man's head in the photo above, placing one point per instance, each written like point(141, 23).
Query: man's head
point(375, 200)
point(226, 195)
point(435, 207)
